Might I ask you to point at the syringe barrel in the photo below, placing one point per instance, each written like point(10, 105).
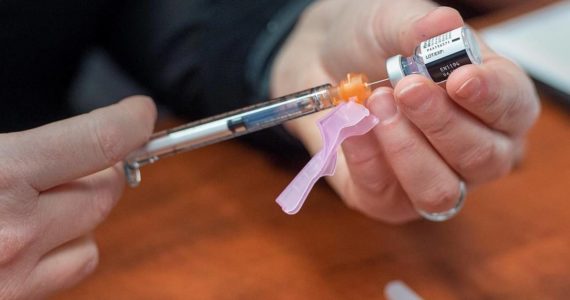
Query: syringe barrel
point(226, 126)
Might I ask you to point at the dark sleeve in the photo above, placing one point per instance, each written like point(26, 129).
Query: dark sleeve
point(202, 58)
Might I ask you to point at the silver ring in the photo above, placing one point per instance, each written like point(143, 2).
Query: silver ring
point(448, 214)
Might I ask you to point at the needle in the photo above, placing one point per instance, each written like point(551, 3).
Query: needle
point(377, 82)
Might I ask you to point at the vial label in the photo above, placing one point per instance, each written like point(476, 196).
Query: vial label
point(444, 53)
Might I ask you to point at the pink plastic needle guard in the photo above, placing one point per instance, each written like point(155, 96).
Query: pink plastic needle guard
point(346, 120)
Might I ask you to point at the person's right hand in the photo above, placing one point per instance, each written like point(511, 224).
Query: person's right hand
point(57, 182)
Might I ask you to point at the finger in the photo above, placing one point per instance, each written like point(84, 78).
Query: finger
point(63, 267)
point(427, 180)
point(373, 188)
point(385, 29)
point(62, 151)
point(498, 93)
point(474, 151)
point(76, 208)
point(410, 22)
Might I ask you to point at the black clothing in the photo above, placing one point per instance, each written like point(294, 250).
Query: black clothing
point(198, 57)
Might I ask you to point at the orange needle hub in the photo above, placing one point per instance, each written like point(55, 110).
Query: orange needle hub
point(354, 88)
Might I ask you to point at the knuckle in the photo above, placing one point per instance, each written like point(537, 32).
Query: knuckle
point(403, 147)
point(479, 157)
point(440, 126)
point(440, 197)
point(504, 160)
point(503, 166)
point(513, 110)
point(378, 187)
point(371, 183)
point(488, 161)
point(489, 103)
point(510, 112)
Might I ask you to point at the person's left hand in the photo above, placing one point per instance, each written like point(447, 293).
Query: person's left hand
point(429, 138)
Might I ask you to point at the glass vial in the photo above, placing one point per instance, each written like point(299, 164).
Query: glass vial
point(437, 57)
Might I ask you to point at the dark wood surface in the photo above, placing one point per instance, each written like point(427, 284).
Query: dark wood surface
point(204, 225)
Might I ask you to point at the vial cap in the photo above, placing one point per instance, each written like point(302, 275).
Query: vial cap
point(472, 46)
point(395, 69)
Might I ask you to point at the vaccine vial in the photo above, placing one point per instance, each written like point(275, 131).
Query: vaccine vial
point(437, 57)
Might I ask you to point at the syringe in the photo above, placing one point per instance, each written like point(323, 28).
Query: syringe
point(243, 121)
point(435, 58)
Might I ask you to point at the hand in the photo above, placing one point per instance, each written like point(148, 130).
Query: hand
point(57, 182)
point(429, 137)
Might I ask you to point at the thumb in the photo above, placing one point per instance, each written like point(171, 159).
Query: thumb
point(402, 34)
point(385, 28)
point(63, 151)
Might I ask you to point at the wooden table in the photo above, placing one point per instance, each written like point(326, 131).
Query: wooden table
point(204, 225)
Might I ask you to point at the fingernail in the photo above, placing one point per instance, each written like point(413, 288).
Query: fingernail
point(415, 96)
point(470, 88)
point(381, 104)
